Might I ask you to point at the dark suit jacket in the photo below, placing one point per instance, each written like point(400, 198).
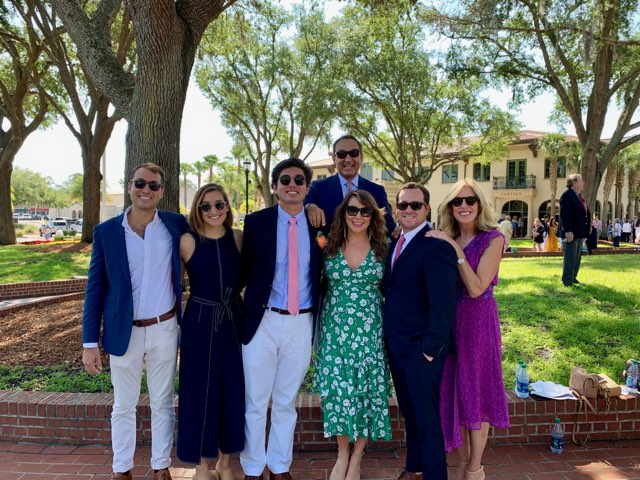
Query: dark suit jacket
point(573, 217)
point(258, 266)
point(327, 194)
point(420, 298)
point(109, 293)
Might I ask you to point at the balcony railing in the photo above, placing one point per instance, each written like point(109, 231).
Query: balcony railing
point(522, 181)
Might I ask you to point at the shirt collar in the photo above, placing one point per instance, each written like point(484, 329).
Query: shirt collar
point(409, 235)
point(284, 216)
point(354, 182)
point(125, 220)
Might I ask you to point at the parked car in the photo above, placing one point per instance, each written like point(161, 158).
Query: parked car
point(16, 216)
point(77, 226)
point(25, 216)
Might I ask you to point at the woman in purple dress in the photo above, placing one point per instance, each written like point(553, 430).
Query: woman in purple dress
point(473, 396)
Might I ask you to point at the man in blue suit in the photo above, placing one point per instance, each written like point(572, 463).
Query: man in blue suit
point(133, 293)
point(575, 221)
point(326, 194)
point(281, 263)
point(419, 310)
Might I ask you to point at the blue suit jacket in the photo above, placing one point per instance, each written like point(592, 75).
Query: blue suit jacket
point(420, 298)
point(258, 265)
point(327, 194)
point(573, 217)
point(108, 297)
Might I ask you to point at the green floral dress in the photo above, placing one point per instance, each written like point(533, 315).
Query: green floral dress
point(351, 370)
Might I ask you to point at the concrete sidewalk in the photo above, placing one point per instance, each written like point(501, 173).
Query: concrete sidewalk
point(598, 461)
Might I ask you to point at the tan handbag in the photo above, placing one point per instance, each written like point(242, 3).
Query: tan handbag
point(607, 387)
point(585, 384)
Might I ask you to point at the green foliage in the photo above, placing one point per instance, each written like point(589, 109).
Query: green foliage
point(73, 187)
point(22, 263)
point(398, 98)
point(34, 190)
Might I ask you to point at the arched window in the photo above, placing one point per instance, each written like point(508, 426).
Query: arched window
point(520, 210)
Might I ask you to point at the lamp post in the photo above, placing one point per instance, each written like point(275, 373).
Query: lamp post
point(247, 168)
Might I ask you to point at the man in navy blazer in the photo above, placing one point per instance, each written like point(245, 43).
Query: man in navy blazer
point(281, 264)
point(576, 226)
point(326, 194)
point(419, 310)
point(133, 295)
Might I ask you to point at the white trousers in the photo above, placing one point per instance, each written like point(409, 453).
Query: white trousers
point(154, 347)
point(275, 363)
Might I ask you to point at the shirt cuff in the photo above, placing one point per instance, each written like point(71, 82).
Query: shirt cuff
point(90, 345)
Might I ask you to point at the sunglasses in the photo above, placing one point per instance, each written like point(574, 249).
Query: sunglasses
point(471, 201)
point(207, 206)
point(414, 205)
point(154, 186)
point(298, 179)
point(341, 154)
point(353, 211)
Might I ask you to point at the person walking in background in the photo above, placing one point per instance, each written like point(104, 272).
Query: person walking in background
point(326, 194)
point(537, 235)
point(597, 224)
point(506, 229)
point(575, 220)
point(552, 242)
point(419, 310)
point(626, 230)
point(280, 264)
point(133, 293)
point(609, 230)
point(515, 227)
point(473, 393)
point(616, 234)
point(211, 391)
point(351, 373)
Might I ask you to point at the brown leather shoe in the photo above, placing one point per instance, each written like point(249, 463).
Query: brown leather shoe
point(410, 476)
point(162, 474)
point(253, 477)
point(120, 476)
point(280, 476)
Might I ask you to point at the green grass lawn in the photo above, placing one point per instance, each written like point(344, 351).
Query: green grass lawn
point(31, 263)
point(595, 325)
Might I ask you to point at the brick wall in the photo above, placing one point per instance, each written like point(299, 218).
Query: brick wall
point(42, 289)
point(83, 419)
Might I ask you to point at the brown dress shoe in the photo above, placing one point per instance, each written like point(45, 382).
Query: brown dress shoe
point(280, 476)
point(162, 474)
point(410, 476)
point(121, 476)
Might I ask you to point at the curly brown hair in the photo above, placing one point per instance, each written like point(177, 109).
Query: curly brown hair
point(377, 229)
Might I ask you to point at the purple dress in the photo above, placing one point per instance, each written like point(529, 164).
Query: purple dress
point(472, 390)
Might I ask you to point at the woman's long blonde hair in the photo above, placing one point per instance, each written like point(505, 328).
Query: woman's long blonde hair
point(486, 219)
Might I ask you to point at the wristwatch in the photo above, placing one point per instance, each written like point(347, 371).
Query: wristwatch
point(461, 261)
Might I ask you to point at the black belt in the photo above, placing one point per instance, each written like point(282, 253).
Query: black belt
point(152, 321)
point(286, 312)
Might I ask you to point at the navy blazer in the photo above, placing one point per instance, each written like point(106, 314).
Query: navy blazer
point(108, 298)
point(573, 217)
point(420, 298)
point(326, 193)
point(258, 266)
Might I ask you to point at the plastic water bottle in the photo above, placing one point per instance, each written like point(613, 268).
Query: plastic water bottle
point(557, 437)
point(632, 377)
point(522, 380)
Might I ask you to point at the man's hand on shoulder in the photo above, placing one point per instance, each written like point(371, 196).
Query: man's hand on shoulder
point(315, 215)
point(92, 361)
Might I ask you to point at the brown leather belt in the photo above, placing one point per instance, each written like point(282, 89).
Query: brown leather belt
point(286, 312)
point(147, 322)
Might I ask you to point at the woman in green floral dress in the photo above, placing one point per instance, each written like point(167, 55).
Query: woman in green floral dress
point(351, 370)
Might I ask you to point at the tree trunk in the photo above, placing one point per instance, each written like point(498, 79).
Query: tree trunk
point(612, 171)
point(619, 208)
point(553, 184)
point(7, 228)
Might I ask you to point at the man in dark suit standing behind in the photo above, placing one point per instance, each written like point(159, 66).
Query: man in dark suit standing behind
point(133, 295)
point(419, 310)
point(326, 194)
point(576, 226)
point(280, 263)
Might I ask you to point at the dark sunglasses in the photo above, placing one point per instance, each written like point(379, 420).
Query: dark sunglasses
point(414, 205)
point(353, 211)
point(456, 202)
point(298, 179)
point(154, 186)
point(206, 206)
point(352, 153)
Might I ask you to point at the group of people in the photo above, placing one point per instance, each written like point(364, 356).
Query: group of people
point(623, 231)
point(326, 266)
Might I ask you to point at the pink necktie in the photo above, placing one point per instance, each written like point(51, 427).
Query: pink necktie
point(349, 187)
point(292, 294)
point(398, 250)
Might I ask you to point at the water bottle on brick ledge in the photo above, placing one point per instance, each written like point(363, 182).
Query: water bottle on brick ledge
point(632, 377)
point(557, 437)
point(522, 380)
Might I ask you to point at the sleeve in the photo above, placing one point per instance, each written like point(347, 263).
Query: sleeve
point(246, 255)
point(312, 194)
point(565, 213)
point(440, 275)
point(95, 292)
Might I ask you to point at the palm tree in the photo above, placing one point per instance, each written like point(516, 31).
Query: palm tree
point(199, 169)
point(553, 144)
point(185, 169)
point(211, 161)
